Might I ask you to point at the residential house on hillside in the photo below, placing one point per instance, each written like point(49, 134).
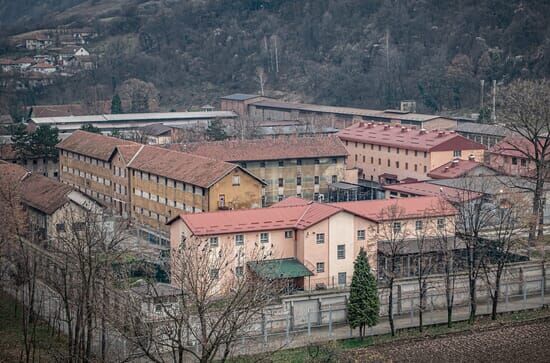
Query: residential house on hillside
point(303, 167)
point(38, 41)
point(320, 240)
point(388, 154)
point(45, 202)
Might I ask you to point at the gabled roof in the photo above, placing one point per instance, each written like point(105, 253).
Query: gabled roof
point(455, 168)
point(268, 149)
point(407, 208)
point(482, 129)
point(91, 144)
point(513, 145)
point(128, 151)
point(262, 219)
point(185, 167)
point(156, 129)
point(239, 97)
point(407, 138)
point(36, 191)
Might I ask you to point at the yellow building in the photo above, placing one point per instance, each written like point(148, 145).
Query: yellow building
point(389, 154)
point(165, 183)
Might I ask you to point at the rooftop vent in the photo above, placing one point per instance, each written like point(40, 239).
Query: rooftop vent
point(471, 157)
point(422, 131)
point(386, 127)
point(440, 133)
point(369, 125)
point(403, 129)
point(454, 163)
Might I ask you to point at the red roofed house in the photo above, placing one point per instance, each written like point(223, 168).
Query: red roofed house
point(458, 168)
point(507, 158)
point(388, 154)
point(303, 167)
point(323, 238)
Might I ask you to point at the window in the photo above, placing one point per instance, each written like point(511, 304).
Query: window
point(406, 151)
point(262, 164)
point(425, 169)
point(289, 234)
point(523, 162)
point(298, 180)
point(419, 225)
point(281, 163)
point(79, 226)
point(379, 161)
point(320, 267)
point(281, 182)
point(60, 227)
point(396, 227)
point(457, 153)
point(214, 273)
point(389, 149)
point(425, 154)
point(372, 160)
point(334, 179)
point(334, 161)
point(440, 223)
point(341, 252)
point(342, 278)
point(415, 167)
point(316, 180)
point(397, 164)
point(299, 162)
point(355, 157)
point(389, 162)
point(361, 234)
point(239, 239)
point(397, 150)
point(214, 242)
point(264, 237)
point(316, 161)
point(320, 238)
point(243, 165)
point(379, 147)
point(514, 161)
point(236, 180)
point(415, 153)
point(239, 271)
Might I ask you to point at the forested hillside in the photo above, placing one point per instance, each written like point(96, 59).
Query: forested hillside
point(369, 53)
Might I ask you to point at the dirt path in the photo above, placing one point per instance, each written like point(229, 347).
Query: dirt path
point(528, 342)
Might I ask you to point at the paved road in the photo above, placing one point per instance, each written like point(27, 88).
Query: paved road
point(526, 342)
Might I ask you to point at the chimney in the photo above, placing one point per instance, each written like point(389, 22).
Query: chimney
point(369, 125)
point(471, 157)
point(454, 163)
point(386, 127)
point(403, 129)
point(422, 131)
point(440, 133)
point(446, 169)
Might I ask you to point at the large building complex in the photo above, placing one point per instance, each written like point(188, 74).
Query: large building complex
point(303, 167)
point(268, 109)
point(389, 154)
point(323, 238)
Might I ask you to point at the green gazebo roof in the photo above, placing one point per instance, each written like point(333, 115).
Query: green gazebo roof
point(283, 268)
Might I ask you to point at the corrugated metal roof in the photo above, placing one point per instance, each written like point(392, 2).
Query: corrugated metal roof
point(239, 97)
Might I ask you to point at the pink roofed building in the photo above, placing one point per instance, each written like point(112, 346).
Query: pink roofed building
point(388, 154)
point(458, 168)
point(324, 238)
point(513, 156)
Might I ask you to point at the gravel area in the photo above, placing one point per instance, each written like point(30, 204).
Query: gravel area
point(525, 342)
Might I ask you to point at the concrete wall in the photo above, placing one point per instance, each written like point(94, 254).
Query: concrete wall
point(248, 194)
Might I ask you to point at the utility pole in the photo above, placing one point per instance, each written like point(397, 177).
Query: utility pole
point(494, 114)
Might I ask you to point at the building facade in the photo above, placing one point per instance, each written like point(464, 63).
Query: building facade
point(302, 167)
point(388, 154)
point(324, 238)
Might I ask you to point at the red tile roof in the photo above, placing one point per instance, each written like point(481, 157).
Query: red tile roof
point(407, 138)
point(91, 144)
point(37, 191)
point(512, 145)
point(263, 219)
point(185, 167)
point(428, 189)
point(268, 149)
point(74, 109)
point(128, 151)
point(454, 169)
point(408, 208)
point(296, 213)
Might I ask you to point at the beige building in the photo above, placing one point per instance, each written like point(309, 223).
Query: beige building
point(303, 167)
point(389, 154)
point(46, 166)
point(321, 240)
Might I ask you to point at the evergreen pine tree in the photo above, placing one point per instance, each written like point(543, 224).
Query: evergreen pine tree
point(363, 304)
point(90, 128)
point(215, 131)
point(116, 104)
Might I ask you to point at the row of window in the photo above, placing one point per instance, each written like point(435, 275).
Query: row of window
point(97, 195)
point(86, 159)
point(169, 182)
point(389, 149)
point(87, 175)
point(316, 180)
point(282, 163)
point(397, 163)
point(165, 201)
point(150, 214)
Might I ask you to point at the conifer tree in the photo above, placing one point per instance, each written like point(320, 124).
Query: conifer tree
point(116, 104)
point(363, 304)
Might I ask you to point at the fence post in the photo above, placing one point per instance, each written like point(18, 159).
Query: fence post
point(330, 320)
point(308, 322)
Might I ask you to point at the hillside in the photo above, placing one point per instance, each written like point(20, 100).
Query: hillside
point(347, 52)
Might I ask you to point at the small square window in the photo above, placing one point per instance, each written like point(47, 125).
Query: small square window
point(60, 227)
point(214, 242)
point(419, 225)
point(289, 234)
point(514, 161)
point(396, 227)
point(262, 164)
point(298, 180)
point(320, 238)
point(334, 179)
point(281, 163)
point(342, 278)
point(320, 267)
point(239, 239)
point(316, 180)
point(317, 161)
point(264, 237)
point(299, 162)
point(440, 223)
point(236, 180)
point(457, 153)
point(281, 182)
point(361, 235)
